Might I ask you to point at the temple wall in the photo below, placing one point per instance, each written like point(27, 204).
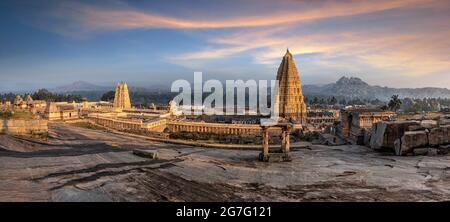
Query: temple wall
point(62, 115)
point(217, 128)
point(178, 126)
point(23, 127)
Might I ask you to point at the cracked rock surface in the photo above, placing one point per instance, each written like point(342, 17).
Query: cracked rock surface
point(78, 164)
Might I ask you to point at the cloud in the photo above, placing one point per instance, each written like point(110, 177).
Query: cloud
point(415, 48)
point(412, 53)
point(99, 18)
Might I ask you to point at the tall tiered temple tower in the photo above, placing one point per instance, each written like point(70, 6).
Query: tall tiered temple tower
point(290, 96)
point(122, 98)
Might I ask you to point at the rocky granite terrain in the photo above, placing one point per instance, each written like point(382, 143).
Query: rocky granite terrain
point(78, 164)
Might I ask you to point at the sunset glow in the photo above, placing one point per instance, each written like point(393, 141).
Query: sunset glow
point(400, 43)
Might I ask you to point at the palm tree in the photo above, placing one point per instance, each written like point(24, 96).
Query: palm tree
point(395, 103)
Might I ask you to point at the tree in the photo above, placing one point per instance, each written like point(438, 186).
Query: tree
point(384, 108)
point(108, 96)
point(333, 101)
point(395, 103)
point(43, 94)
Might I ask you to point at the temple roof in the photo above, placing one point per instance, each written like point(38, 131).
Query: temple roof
point(287, 69)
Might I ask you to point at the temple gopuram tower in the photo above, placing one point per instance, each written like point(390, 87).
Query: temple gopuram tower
point(122, 98)
point(290, 96)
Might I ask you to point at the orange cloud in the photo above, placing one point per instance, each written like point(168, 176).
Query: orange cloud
point(414, 54)
point(128, 18)
point(411, 54)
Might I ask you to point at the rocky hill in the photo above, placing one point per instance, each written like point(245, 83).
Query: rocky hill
point(80, 86)
point(356, 88)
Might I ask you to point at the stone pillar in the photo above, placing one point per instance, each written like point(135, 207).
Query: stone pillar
point(285, 147)
point(265, 142)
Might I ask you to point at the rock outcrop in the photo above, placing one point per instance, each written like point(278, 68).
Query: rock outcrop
point(409, 141)
point(439, 136)
point(416, 137)
point(384, 134)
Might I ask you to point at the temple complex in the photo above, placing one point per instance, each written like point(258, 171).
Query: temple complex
point(290, 96)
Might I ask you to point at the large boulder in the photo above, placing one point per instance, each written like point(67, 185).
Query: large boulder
point(417, 127)
point(444, 120)
point(409, 141)
point(378, 134)
point(437, 136)
point(384, 134)
point(446, 130)
point(429, 124)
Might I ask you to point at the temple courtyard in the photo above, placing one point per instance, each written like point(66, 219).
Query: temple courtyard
point(78, 164)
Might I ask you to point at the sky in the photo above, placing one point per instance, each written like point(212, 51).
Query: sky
point(395, 43)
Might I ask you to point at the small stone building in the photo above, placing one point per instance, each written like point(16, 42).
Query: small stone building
point(61, 111)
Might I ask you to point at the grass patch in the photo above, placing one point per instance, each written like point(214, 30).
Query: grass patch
point(87, 125)
point(17, 115)
point(39, 135)
point(5, 114)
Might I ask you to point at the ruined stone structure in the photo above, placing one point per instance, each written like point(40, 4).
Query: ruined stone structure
point(18, 101)
point(355, 123)
point(319, 119)
point(215, 128)
point(276, 155)
point(24, 127)
point(290, 96)
point(123, 124)
point(412, 137)
point(29, 104)
point(122, 98)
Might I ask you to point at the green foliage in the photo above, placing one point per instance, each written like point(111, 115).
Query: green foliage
point(384, 108)
point(410, 105)
point(87, 125)
point(395, 103)
point(332, 101)
point(16, 115)
point(44, 94)
point(108, 96)
point(5, 114)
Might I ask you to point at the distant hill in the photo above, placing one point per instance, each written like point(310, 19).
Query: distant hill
point(80, 86)
point(356, 88)
point(156, 93)
point(345, 87)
